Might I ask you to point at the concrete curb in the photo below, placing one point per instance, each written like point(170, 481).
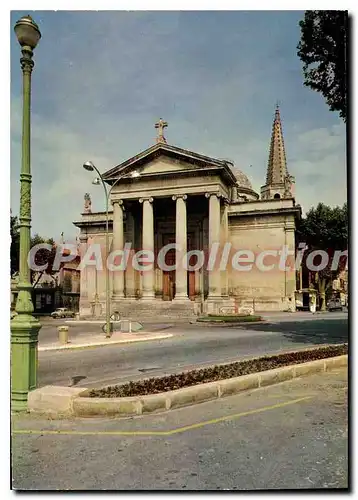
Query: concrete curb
point(67, 401)
point(67, 347)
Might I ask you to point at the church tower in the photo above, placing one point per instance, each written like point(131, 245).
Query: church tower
point(279, 183)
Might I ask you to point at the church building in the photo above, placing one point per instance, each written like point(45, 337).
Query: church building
point(229, 236)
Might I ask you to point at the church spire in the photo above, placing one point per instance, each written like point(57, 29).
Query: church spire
point(277, 167)
point(278, 181)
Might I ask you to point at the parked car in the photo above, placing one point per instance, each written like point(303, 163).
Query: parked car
point(63, 312)
point(335, 305)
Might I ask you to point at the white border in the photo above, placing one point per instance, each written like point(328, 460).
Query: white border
point(5, 163)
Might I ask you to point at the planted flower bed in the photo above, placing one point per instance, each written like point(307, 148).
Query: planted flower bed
point(220, 372)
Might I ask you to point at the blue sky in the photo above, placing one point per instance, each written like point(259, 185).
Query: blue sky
point(102, 79)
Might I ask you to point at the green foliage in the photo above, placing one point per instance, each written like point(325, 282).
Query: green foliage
point(15, 244)
point(324, 228)
point(323, 52)
point(43, 256)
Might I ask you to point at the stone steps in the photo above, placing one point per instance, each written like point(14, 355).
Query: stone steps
point(139, 310)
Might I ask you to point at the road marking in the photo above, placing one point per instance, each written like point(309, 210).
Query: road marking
point(161, 433)
point(238, 415)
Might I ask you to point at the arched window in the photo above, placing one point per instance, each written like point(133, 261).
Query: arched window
point(277, 196)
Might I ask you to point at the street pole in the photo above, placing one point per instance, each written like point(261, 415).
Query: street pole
point(25, 327)
point(96, 287)
point(91, 167)
point(108, 313)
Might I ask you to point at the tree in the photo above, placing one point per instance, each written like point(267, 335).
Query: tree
point(42, 257)
point(323, 52)
point(15, 244)
point(324, 228)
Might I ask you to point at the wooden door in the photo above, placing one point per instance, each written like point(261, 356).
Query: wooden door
point(191, 274)
point(169, 276)
point(191, 285)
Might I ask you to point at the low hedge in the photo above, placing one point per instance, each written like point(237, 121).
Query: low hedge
point(220, 372)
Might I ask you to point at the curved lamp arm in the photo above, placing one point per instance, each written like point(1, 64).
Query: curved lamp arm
point(113, 185)
point(102, 181)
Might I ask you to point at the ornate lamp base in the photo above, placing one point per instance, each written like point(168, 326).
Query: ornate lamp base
point(24, 339)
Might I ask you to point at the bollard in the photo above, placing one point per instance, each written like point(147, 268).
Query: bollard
point(63, 334)
point(126, 326)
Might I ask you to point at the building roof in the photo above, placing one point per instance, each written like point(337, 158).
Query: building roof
point(242, 179)
point(162, 148)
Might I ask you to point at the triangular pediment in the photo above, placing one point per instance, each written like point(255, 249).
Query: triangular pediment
point(164, 164)
point(162, 159)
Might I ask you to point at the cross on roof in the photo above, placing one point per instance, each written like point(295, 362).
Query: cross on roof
point(161, 126)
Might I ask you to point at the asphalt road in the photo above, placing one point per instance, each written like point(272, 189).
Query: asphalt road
point(291, 435)
point(190, 347)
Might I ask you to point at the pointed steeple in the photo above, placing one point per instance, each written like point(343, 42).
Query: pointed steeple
point(277, 166)
point(278, 181)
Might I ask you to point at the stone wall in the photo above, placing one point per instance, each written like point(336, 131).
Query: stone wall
point(271, 289)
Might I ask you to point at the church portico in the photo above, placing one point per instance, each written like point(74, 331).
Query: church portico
point(174, 213)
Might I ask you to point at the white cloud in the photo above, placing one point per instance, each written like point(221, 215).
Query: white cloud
point(58, 179)
point(318, 162)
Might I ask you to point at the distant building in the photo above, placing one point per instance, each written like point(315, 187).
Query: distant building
point(60, 289)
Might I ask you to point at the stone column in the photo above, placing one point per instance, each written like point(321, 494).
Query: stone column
point(181, 274)
point(83, 277)
point(224, 240)
point(214, 238)
point(290, 275)
point(205, 240)
point(148, 245)
point(130, 271)
point(118, 244)
point(198, 246)
point(85, 307)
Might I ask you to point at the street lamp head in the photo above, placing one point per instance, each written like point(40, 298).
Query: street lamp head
point(96, 181)
point(27, 32)
point(88, 166)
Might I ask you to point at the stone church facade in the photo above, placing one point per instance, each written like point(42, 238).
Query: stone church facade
point(167, 195)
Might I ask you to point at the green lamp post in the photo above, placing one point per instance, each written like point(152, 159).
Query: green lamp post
point(24, 327)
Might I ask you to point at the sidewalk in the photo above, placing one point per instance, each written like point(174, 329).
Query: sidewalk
point(97, 340)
